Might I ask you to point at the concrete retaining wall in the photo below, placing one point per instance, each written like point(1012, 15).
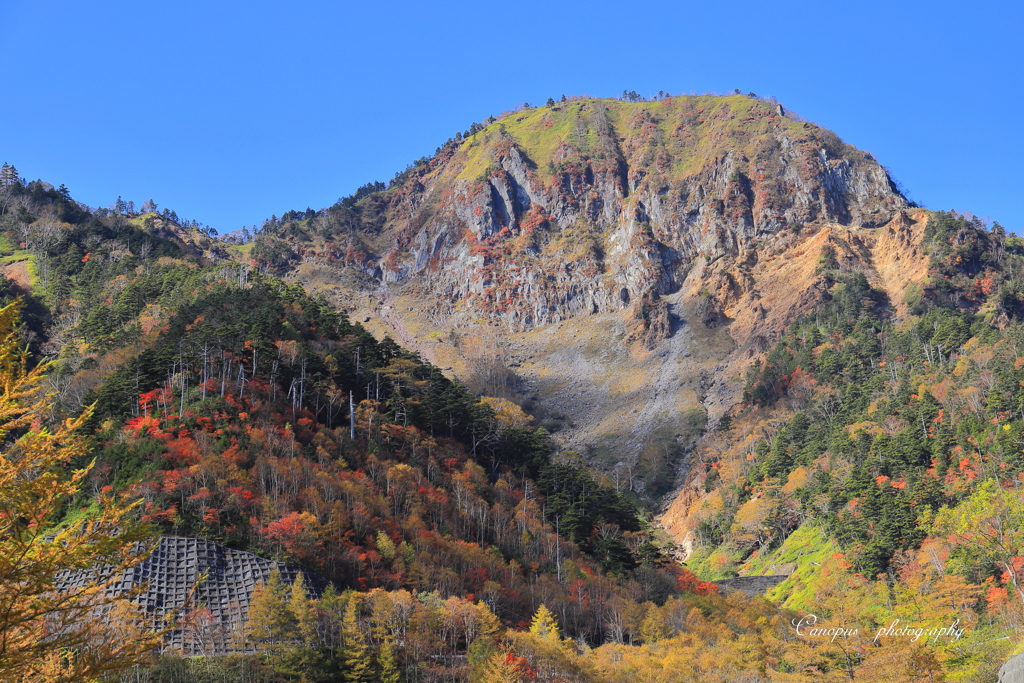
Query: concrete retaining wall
point(174, 569)
point(750, 585)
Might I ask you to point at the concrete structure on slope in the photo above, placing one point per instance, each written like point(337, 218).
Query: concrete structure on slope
point(209, 610)
point(750, 585)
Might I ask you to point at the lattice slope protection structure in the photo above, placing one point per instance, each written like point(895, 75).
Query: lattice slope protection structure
point(179, 564)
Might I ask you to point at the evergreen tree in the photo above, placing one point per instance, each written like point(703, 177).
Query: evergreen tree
point(8, 175)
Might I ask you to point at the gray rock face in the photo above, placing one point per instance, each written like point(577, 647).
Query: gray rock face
point(1012, 671)
point(174, 570)
point(611, 224)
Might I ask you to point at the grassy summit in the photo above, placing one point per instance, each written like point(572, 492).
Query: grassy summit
point(678, 135)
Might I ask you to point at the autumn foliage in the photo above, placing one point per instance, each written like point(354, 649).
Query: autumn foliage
point(49, 630)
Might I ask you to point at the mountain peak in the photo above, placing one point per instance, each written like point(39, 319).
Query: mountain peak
point(621, 199)
point(595, 253)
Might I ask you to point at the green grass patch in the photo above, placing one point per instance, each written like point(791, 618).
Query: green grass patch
point(33, 272)
point(140, 220)
point(241, 251)
point(477, 151)
point(807, 548)
point(540, 131)
point(692, 130)
point(20, 255)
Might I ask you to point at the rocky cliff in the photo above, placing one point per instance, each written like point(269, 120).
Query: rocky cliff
point(586, 206)
point(611, 265)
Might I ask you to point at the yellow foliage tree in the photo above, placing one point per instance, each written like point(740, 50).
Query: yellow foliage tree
point(544, 625)
point(655, 627)
point(507, 413)
point(302, 611)
point(502, 667)
point(548, 655)
point(50, 628)
point(271, 624)
point(989, 525)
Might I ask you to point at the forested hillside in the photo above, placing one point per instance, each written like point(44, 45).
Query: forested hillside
point(222, 399)
point(875, 455)
point(882, 452)
point(613, 222)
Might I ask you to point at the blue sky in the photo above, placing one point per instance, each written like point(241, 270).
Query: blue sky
point(228, 112)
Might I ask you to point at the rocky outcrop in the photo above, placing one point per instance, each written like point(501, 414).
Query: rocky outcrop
point(622, 262)
point(761, 291)
point(650, 321)
point(589, 206)
point(1012, 670)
